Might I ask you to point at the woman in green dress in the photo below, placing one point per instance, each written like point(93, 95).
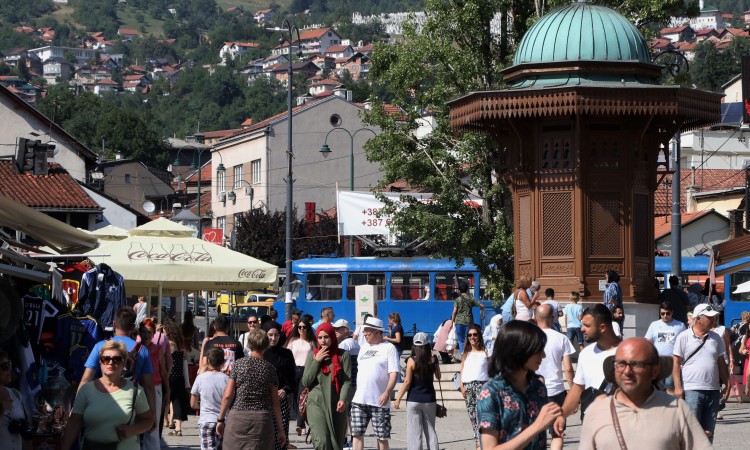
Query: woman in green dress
point(327, 375)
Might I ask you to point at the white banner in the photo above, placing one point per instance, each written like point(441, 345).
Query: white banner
point(358, 212)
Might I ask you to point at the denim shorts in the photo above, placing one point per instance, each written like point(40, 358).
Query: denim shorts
point(705, 405)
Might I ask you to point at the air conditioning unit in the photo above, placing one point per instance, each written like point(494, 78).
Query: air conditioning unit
point(222, 196)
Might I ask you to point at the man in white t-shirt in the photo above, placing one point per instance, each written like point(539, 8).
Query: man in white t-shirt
point(663, 333)
point(589, 382)
point(378, 370)
point(700, 369)
point(550, 300)
point(348, 343)
point(557, 353)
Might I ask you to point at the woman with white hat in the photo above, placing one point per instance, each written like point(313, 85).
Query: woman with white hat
point(421, 404)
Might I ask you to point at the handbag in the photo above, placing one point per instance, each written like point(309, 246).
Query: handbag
point(440, 410)
point(303, 403)
point(88, 444)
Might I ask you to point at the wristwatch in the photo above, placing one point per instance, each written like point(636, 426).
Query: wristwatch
point(219, 420)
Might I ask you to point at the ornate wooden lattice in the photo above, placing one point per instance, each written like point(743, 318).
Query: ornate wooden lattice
point(605, 222)
point(524, 228)
point(557, 153)
point(605, 153)
point(557, 229)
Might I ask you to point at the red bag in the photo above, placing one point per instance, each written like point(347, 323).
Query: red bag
point(303, 403)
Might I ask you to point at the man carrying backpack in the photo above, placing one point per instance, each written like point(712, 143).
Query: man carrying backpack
point(138, 368)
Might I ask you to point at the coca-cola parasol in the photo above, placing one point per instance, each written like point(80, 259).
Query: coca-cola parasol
point(164, 252)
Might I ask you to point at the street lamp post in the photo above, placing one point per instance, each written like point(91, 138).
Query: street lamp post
point(197, 152)
point(287, 27)
point(326, 150)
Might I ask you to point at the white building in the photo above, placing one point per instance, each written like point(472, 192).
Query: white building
point(82, 55)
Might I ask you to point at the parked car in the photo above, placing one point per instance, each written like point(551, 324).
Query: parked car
point(201, 306)
point(242, 311)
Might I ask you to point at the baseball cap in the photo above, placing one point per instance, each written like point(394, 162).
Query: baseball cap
point(705, 310)
point(341, 323)
point(295, 311)
point(373, 323)
point(421, 339)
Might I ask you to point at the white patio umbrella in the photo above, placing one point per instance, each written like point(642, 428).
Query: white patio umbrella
point(164, 254)
point(742, 288)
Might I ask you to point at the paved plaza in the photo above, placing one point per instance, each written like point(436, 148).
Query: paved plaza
point(454, 432)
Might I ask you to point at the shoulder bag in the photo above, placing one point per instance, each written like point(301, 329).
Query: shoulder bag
point(440, 410)
point(705, 338)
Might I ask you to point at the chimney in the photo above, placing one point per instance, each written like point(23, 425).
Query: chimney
point(118, 156)
point(735, 223)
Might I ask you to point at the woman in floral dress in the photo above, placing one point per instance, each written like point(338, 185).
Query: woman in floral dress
point(513, 406)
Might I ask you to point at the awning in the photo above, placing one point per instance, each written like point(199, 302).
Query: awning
point(45, 229)
point(734, 266)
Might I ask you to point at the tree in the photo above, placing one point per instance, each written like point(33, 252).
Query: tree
point(258, 235)
point(454, 53)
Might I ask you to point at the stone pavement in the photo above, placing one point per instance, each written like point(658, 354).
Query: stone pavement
point(454, 431)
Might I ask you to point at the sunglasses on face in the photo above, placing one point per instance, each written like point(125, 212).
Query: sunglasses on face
point(665, 313)
point(114, 360)
point(252, 321)
point(301, 328)
point(473, 335)
point(6, 365)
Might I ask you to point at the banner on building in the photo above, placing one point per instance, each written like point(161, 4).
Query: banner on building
point(215, 235)
point(359, 213)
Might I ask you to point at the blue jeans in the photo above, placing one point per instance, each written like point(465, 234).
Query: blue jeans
point(461, 331)
point(577, 333)
point(705, 406)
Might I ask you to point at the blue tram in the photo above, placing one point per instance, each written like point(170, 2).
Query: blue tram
point(418, 288)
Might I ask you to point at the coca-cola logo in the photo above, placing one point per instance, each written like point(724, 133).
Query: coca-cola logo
point(175, 254)
point(256, 274)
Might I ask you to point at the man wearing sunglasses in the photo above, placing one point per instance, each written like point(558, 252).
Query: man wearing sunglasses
point(663, 333)
point(700, 369)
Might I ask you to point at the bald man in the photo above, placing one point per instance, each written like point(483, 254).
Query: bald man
point(649, 418)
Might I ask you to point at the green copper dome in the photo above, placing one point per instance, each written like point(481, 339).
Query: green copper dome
point(582, 32)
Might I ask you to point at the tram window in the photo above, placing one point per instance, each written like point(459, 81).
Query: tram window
point(323, 287)
point(409, 286)
point(361, 279)
point(447, 283)
point(482, 288)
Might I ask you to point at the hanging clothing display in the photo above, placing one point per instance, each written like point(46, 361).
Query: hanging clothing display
point(76, 336)
point(101, 294)
point(71, 283)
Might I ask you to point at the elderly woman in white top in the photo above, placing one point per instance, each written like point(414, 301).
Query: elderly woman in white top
point(490, 332)
point(474, 373)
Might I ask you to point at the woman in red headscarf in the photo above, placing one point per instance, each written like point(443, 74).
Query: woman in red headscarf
point(327, 376)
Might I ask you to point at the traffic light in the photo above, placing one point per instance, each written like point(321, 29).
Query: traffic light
point(31, 156)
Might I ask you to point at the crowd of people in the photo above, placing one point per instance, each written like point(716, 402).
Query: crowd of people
point(335, 381)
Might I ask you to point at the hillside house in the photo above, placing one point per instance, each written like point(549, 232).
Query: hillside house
point(339, 51)
point(323, 86)
point(709, 17)
point(274, 59)
point(280, 71)
point(235, 49)
point(82, 55)
point(683, 33)
point(358, 66)
point(106, 86)
point(324, 62)
point(128, 34)
point(318, 40)
point(263, 16)
point(55, 69)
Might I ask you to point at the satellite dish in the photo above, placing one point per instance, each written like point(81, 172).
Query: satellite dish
point(149, 206)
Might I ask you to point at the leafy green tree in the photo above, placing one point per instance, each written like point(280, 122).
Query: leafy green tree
point(257, 234)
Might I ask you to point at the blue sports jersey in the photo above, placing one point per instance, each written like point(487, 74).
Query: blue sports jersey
point(73, 331)
point(142, 363)
point(77, 363)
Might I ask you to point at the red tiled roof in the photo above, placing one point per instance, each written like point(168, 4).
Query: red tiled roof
point(366, 48)
point(663, 225)
point(705, 31)
point(205, 203)
point(337, 48)
point(136, 77)
point(707, 179)
point(128, 32)
point(673, 30)
point(247, 123)
point(205, 175)
point(327, 82)
point(313, 34)
point(55, 190)
point(220, 134)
